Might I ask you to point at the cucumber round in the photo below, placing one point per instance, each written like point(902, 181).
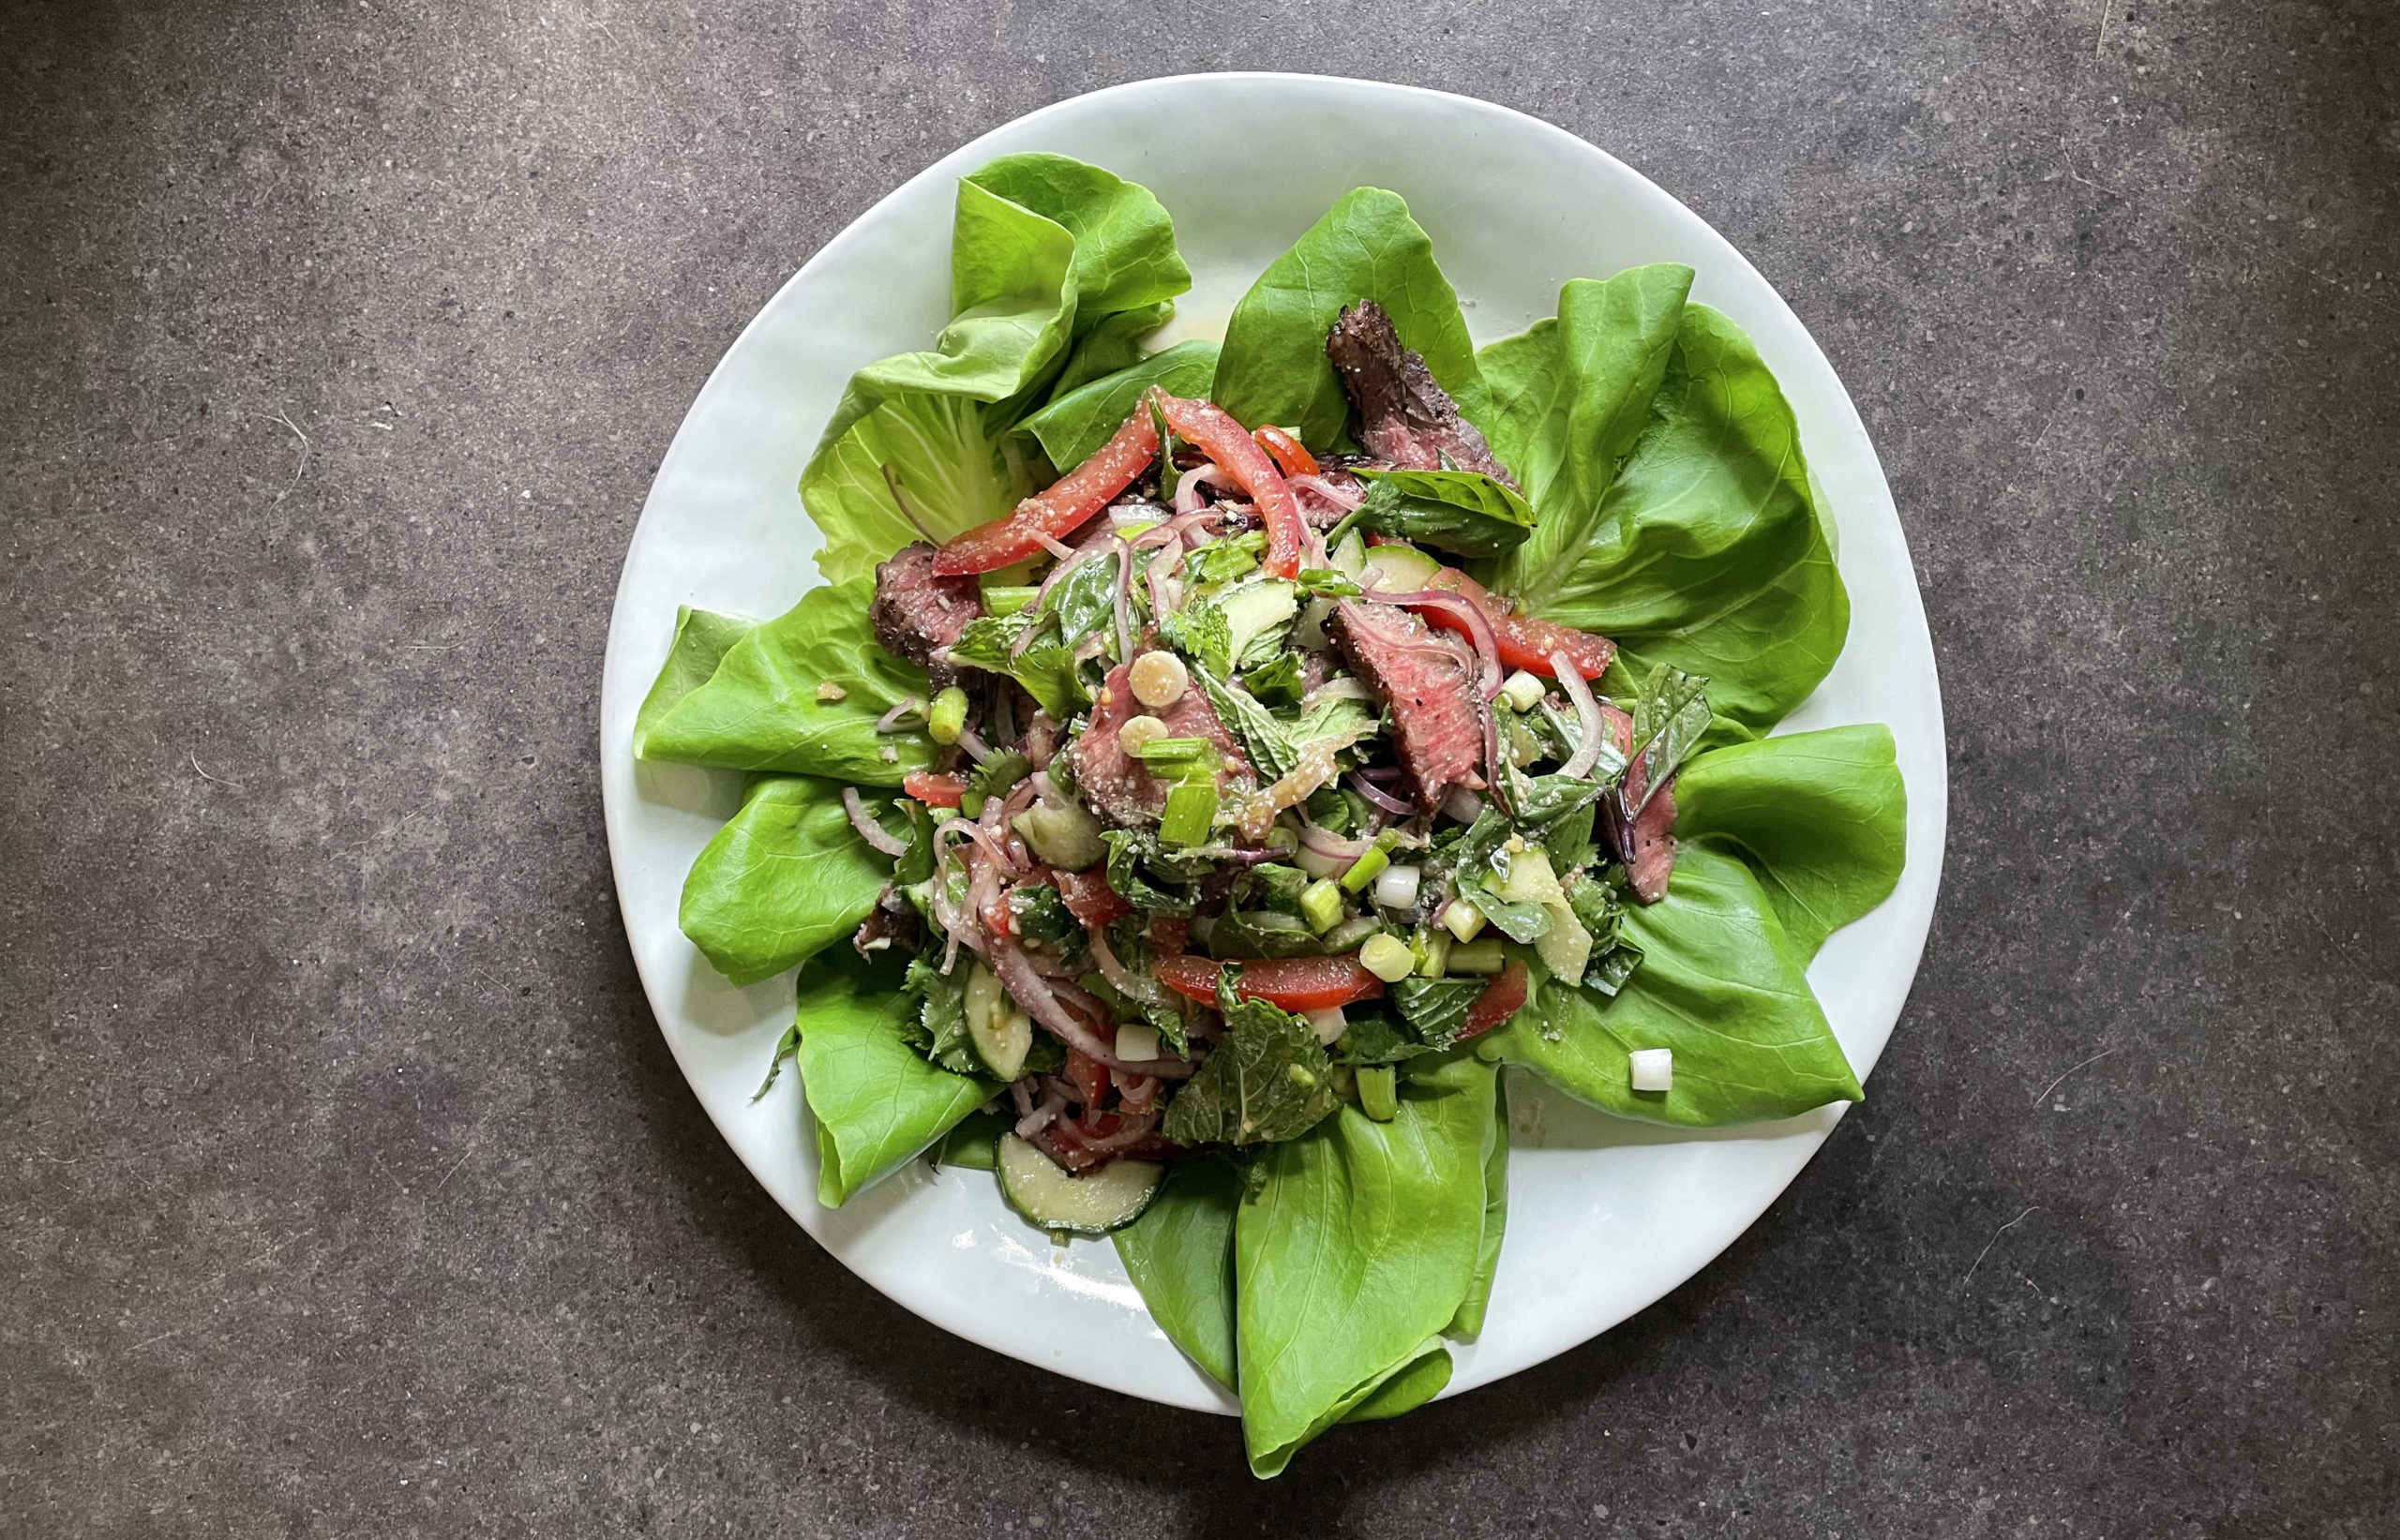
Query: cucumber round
point(1397, 569)
point(1003, 1034)
point(1041, 1191)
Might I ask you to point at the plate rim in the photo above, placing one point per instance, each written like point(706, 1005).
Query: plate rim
point(618, 778)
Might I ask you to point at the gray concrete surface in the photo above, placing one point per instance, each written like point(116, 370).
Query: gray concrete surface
point(348, 1188)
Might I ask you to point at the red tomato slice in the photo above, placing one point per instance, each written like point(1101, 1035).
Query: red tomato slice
point(1291, 456)
point(1205, 426)
point(1059, 511)
point(1091, 899)
point(1501, 999)
point(1089, 1077)
point(1526, 641)
point(1295, 983)
point(933, 790)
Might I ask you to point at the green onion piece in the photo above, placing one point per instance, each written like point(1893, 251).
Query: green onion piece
point(1462, 919)
point(1172, 750)
point(1388, 958)
point(1365, 868)
point(1321, 904)
point(948, 716)
point(1378, 1092)
point(971, 805)
point(1007, 599)
point(1433, 952)
point(1190, 813)
point(1478, 956)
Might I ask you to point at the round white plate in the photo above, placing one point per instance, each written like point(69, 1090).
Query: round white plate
point(1604, 1215)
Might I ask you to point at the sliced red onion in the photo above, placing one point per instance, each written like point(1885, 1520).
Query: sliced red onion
point(872, 832)
point(1124, 607)
point(1055, 547)
point(1324, 842)
point(1187, 490)
point(1470, 614)
point(1103, 957)
point(1021, 1093)
point(988, 839)
point(1344, 688)
point(976, 748)
point(1345, 501)
point(1041, 1117)
point(1019, 799)
point(1131, 1129)
point(1381, 798)
point(1587, 753)
point(1039, 998)
point(1462, 804)
point(890, 721)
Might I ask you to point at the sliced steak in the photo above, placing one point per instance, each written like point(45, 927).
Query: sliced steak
point(1405, 416)
point(917, 613)
point(1645, 846)
point(1118, 786)
point(891, 925)
point(1431, 680)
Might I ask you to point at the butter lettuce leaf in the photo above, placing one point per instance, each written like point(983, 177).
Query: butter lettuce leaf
point(801, 693)
point(784, 878)
point(1180, 1255)
point(1357, 1252)
point(876, 1100)
point(1721, 984)
point(1081, 420)
point(1273, 367)
point(703, 638)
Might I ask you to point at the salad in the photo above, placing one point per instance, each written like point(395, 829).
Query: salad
point(1202, 771)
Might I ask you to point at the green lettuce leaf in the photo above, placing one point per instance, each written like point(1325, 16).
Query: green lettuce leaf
point(1180, 1255)
point(1469, 1320)
point(1273, 367)
point(1463, 512)
point(947, 454)
point(1113, 344)
point(877, 1102)
point(1820, 818)
point(1357, 1252)
point(1720, 983)
point(1703, 549)
point(1416, 1383)
point(1124, 242)
point(762, 708)
point(1079, 420)
point(1568, 400)
point(785, 878)
point(703, 638)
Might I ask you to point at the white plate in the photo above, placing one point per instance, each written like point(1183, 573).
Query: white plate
point(1604, 1215)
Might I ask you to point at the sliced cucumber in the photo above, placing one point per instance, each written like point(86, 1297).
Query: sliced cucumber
point(1003, 1034)
point(1253, 609)
point(1108, 1199)
point(1062, 834)
point(1397, 569)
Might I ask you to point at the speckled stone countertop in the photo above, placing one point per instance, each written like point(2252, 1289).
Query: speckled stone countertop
point(348, 1187)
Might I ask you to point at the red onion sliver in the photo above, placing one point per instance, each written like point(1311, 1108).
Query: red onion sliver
point(890, 721)
point(1347, 501)
point(872, 832)
point(1187, 490)
point(1381, 798)
point(976, 748)
point(1039, 998)
point(1587, 753)
point(1324, 842)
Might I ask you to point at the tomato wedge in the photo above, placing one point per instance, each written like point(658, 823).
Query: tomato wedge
point(1091, 899)
point(1291, 456)
point(1526, 641)
point(1088, 1076)
point(1501, 999)
point(1295, 983)
point(1205, 426)
point(933, 790)
point(1067, 505)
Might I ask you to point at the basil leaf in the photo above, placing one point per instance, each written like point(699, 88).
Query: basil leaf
point(1084, 601)
point(1046, 669)
point(1180, 1255)
point(877, 1102)
point(1520, 922)
point(1376, 1036)
point(1223, 560)
point(1357, 1252)
point(1242, 934)
point(1130, 854)
point(1721, 984)
point(784, 878)
point(1464, 511)
point(801, 693)
point(1670, 718)
point(1042, 915)
point(1276, 682)
point(1273, 367)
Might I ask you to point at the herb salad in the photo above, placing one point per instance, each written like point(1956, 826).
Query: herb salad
point(1204, 769)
